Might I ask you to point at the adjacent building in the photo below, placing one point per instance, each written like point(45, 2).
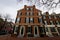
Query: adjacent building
point(31, 22)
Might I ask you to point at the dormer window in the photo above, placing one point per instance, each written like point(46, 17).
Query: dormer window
point(27, 8)
point(27, 13)
point(31, 9)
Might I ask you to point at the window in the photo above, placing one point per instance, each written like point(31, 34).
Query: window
point(51, 22)
point(41, 29)
point(18, 19)
point(45, 22)
point(29, 31)
point(27, 8)
point(57, 22)
point(36, 31)
point(16, 29)
point(55, 17)
point(31, 20)
point(44, 17)
point(31, 13)
point(20, 13)
point(22, 30)
point(46, 29)
point(27, 13)
point(27, 20)
point(39, 20)
point(49, 17)
point(39, 14)
point(52, 29)
point(31, 9)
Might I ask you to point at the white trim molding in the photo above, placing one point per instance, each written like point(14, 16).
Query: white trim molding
point(49, 25)
point(21, 35)
point(58, 25)
point(36, 35)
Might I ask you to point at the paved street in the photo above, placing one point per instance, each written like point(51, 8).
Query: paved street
point(8, 37)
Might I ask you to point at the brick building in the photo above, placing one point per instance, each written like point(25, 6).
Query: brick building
point(30, 22)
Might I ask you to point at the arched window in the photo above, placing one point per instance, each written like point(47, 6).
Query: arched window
point(36, 33)
point(22, 31)
point(16, 29)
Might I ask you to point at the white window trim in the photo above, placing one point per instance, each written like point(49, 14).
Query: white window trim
point(57, 22)
point(15, 29)
point(40, 19)
point(27, 8)
point(31, 19)
point(27, 13)
point(18, 19)
point(37, 32)
point(49, 33)
point(49, 17)
point(23, 31)
point(45, 22)
point(51, 22)
point(31, 13)
point(39, 13)
point(27, 20)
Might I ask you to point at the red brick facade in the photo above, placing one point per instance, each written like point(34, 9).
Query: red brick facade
point(31, 24)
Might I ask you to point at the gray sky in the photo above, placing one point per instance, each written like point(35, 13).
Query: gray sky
point(11, 7)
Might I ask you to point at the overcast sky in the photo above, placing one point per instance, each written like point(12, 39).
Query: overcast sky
point(11, 6)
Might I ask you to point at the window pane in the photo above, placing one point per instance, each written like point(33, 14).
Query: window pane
point(49, 17)
point(31, 9)
point(46, 29)
point(39, 14)
point(20, 14)
point(39, 20)
point(51, 22)
point(29, 29)
point(27, 8)
point(41, 29)
point(27, 20)
point(45, 22)
point(16, 28)
point(27, 13)
point(31, 20)
point(35, 30)
point(18, 19)
point(44, 17)
point(22, 31)
point(31, 13)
